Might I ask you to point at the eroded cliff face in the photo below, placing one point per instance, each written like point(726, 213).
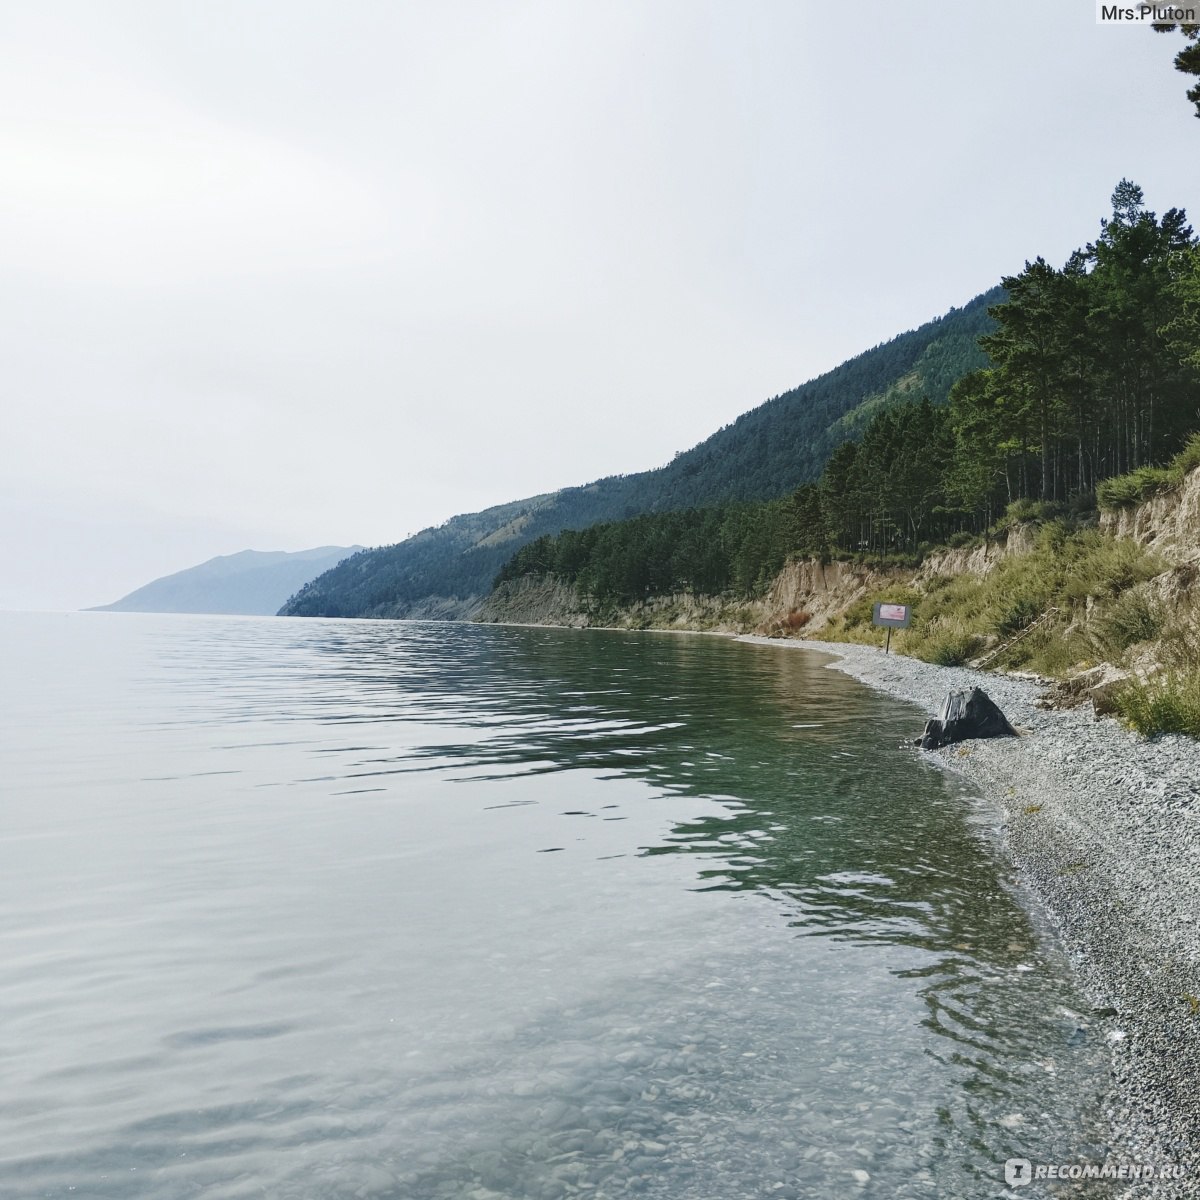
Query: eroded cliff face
point(978, 560)
point(822, 590)
point(1168, 523)
point(825, 590)
point(534, 600)
point(541, 600)
point(809, 586)
point(428, 608)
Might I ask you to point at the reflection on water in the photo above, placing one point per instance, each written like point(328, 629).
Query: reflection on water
point(326, 909)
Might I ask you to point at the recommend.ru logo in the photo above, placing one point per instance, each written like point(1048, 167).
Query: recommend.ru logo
point(1020, 1171)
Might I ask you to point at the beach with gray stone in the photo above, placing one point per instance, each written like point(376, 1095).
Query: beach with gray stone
point(1103, 827)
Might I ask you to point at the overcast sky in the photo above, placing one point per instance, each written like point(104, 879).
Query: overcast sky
point(286, 273)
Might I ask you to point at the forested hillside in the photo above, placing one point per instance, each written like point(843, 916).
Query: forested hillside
point(765, 453)
point(1094, 383)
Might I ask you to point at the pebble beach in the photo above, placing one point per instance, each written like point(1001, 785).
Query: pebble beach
point(1103, 828)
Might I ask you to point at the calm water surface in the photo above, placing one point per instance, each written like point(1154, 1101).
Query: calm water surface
point(420, 911)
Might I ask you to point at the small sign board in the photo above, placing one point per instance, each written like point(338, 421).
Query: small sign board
point(892, 616)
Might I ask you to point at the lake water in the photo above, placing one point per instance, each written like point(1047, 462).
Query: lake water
point(421, 911)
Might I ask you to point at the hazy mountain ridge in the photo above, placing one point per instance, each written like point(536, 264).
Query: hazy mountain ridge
point(249, 583)
point(766, 452)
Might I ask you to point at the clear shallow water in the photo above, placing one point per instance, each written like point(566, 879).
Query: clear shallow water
point(414, 910)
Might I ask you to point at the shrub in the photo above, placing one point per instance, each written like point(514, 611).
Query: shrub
point(797, 619)
point(859, 613)
point(1165, 705)
point(1054, 654)
point(1130, 619)
point(1188, 459)
point(1082, 504)
point(1101, 566)
point(1124, 491)
point(1179, 649)
point(1018, 613)
point(951, 649)
point(1021, 512)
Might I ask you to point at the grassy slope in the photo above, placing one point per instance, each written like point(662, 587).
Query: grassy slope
point(1092, 579)
point(1117, 603)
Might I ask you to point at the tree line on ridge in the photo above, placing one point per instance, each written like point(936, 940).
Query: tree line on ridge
point(1093, 372)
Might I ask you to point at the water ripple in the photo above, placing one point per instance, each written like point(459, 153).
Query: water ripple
point(413, 911)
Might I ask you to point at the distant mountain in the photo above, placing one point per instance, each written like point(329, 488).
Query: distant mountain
point(251, 583)
point(766, 452)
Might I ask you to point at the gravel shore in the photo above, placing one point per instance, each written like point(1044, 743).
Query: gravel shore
point(1104, 828)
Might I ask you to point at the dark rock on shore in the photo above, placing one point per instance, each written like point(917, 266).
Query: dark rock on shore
point(966, 714)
